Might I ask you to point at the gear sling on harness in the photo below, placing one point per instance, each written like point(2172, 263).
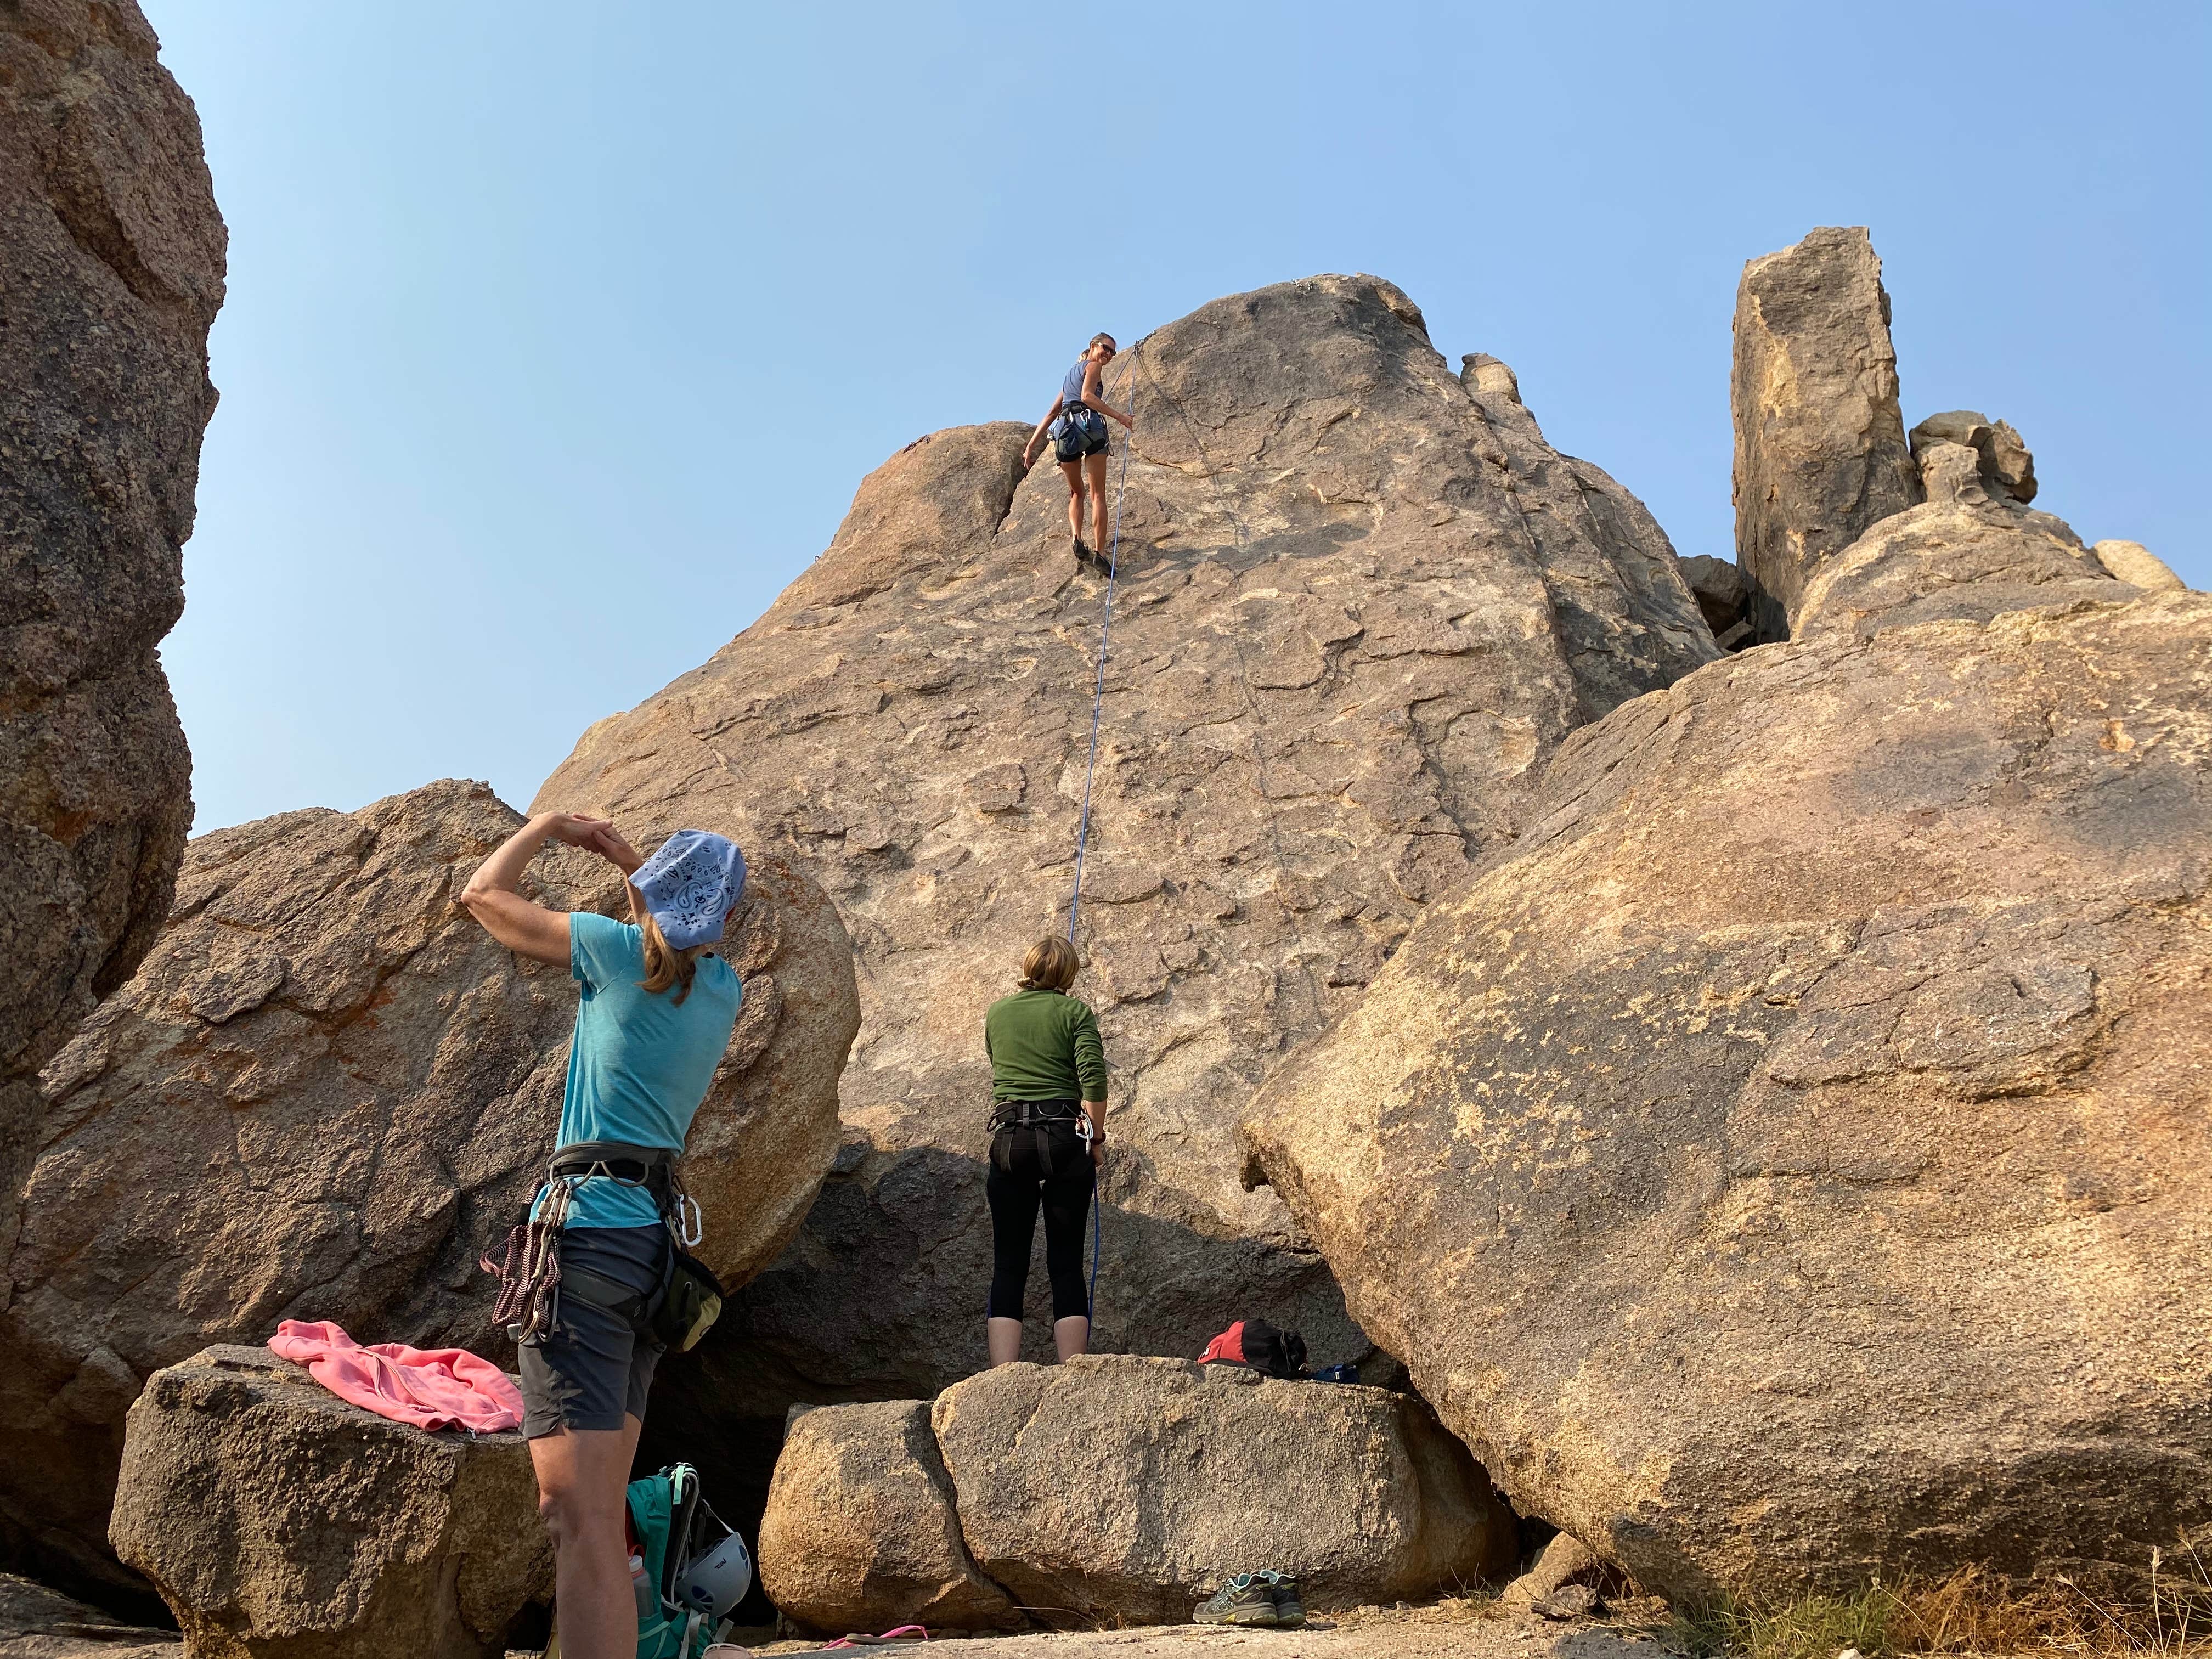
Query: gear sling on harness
point(677, 1312)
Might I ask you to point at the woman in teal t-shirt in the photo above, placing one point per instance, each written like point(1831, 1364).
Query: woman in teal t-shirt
point(653, 1014)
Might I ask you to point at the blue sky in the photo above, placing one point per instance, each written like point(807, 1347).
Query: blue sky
point(559, 336)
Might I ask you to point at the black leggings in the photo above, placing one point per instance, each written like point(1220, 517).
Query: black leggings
point(1015, 1187)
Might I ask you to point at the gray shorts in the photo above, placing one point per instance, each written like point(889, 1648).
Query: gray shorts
point(593, 1369)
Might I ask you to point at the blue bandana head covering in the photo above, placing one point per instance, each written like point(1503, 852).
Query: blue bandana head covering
point(689, 885)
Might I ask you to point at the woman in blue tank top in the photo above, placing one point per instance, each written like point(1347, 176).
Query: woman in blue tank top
point(1076, 423)
point(655, 1006)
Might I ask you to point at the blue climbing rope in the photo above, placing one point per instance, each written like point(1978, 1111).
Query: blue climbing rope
point(1090, 769)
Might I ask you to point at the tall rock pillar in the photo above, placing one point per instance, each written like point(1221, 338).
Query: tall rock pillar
point(111, 270)
point(1820, 450)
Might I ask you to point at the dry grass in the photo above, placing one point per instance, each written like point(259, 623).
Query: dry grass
point(1970, 1612)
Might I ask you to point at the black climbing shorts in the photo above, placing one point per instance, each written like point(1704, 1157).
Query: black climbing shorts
point(594, 1369)
point(1080, 438)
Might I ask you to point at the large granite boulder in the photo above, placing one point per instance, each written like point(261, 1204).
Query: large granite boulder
point(325, 1095)
point(1820, 448)
point(277, 1520)
point(1114, 1489)
point(1971, 549)
point(1789, 1162)
point(1359, 601)
point(859, 1532)
point(111, 264)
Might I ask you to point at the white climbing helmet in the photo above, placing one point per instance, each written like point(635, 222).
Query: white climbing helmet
point(716, 1582)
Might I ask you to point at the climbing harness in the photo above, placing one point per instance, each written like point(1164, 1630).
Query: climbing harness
point(678, 1312)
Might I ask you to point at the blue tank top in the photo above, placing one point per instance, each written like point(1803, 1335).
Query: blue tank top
point(1071, 396)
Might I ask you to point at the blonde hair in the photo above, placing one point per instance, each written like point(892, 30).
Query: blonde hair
point(665, 967)
point(1050, 965)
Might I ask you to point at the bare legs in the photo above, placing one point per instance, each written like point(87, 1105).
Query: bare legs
point(1070, 1336)
point(582, 1477)
point(1094, 467)
point(1087, 477)
point(1073, 471)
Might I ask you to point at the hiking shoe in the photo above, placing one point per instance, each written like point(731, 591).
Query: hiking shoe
point(1083, 553)
point(1247, 1599)
point(1290, 1606)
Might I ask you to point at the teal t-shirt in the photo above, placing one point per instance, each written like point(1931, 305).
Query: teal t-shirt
point(640, 1062)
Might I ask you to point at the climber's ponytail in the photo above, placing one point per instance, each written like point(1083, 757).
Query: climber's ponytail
point(665, 967)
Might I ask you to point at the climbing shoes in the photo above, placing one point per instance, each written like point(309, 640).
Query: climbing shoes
point(1266, 1598)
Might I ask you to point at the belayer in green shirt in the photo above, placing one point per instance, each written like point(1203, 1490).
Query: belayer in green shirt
point(1048, 1139)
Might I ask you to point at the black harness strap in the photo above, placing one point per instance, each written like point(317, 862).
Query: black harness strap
point(652, 1167)
point(1037, 1117)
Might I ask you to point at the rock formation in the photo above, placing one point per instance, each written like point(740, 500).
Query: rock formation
point(112, 261)
point(39, 1623)
point(1965, 552)
point(277, 1520)
point(2134, 563)
point(1359, 603)
point(860, 1532)
point(2001, 458)
point(1114, 1489)
point(1724, 597)
point(1787, 1163)
point(325, 1095)
point(1122, 1489)
point(1820, 447)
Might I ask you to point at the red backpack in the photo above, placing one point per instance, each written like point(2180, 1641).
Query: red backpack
point(1259, 1347)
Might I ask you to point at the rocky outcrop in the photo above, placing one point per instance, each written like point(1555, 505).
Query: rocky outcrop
point(325, 1095)
point(2135, 564)
point(1359, 603)
point(39, 1623)
point(2006, 468)
point(1724, 597)
point(1832, 1201)
point(1565, 1562)
point(1820, 449)
point(860, 1533)
point(277, 1520)
point(112, 261)
point(1116, 1489)
point(1969, 550)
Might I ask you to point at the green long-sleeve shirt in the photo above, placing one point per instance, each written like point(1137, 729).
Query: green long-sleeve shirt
point(1044, 1045)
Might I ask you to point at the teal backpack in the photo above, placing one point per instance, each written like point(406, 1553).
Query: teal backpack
point(675, 1528)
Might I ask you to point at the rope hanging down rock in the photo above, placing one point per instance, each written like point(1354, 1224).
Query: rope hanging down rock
point(1090, 766)
point(1105, 636)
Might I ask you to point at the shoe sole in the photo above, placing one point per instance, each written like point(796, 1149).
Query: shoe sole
point(1259, 1618)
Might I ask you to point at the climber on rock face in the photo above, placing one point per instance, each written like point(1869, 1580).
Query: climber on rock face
point(1047, 1140)
point(1076, 423)
point(654, 1016)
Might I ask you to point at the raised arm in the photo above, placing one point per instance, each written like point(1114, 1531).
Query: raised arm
point(1094, 395)
point(494, 894)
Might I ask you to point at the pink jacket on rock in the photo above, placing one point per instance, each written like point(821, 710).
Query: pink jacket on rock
point(434, 1389)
